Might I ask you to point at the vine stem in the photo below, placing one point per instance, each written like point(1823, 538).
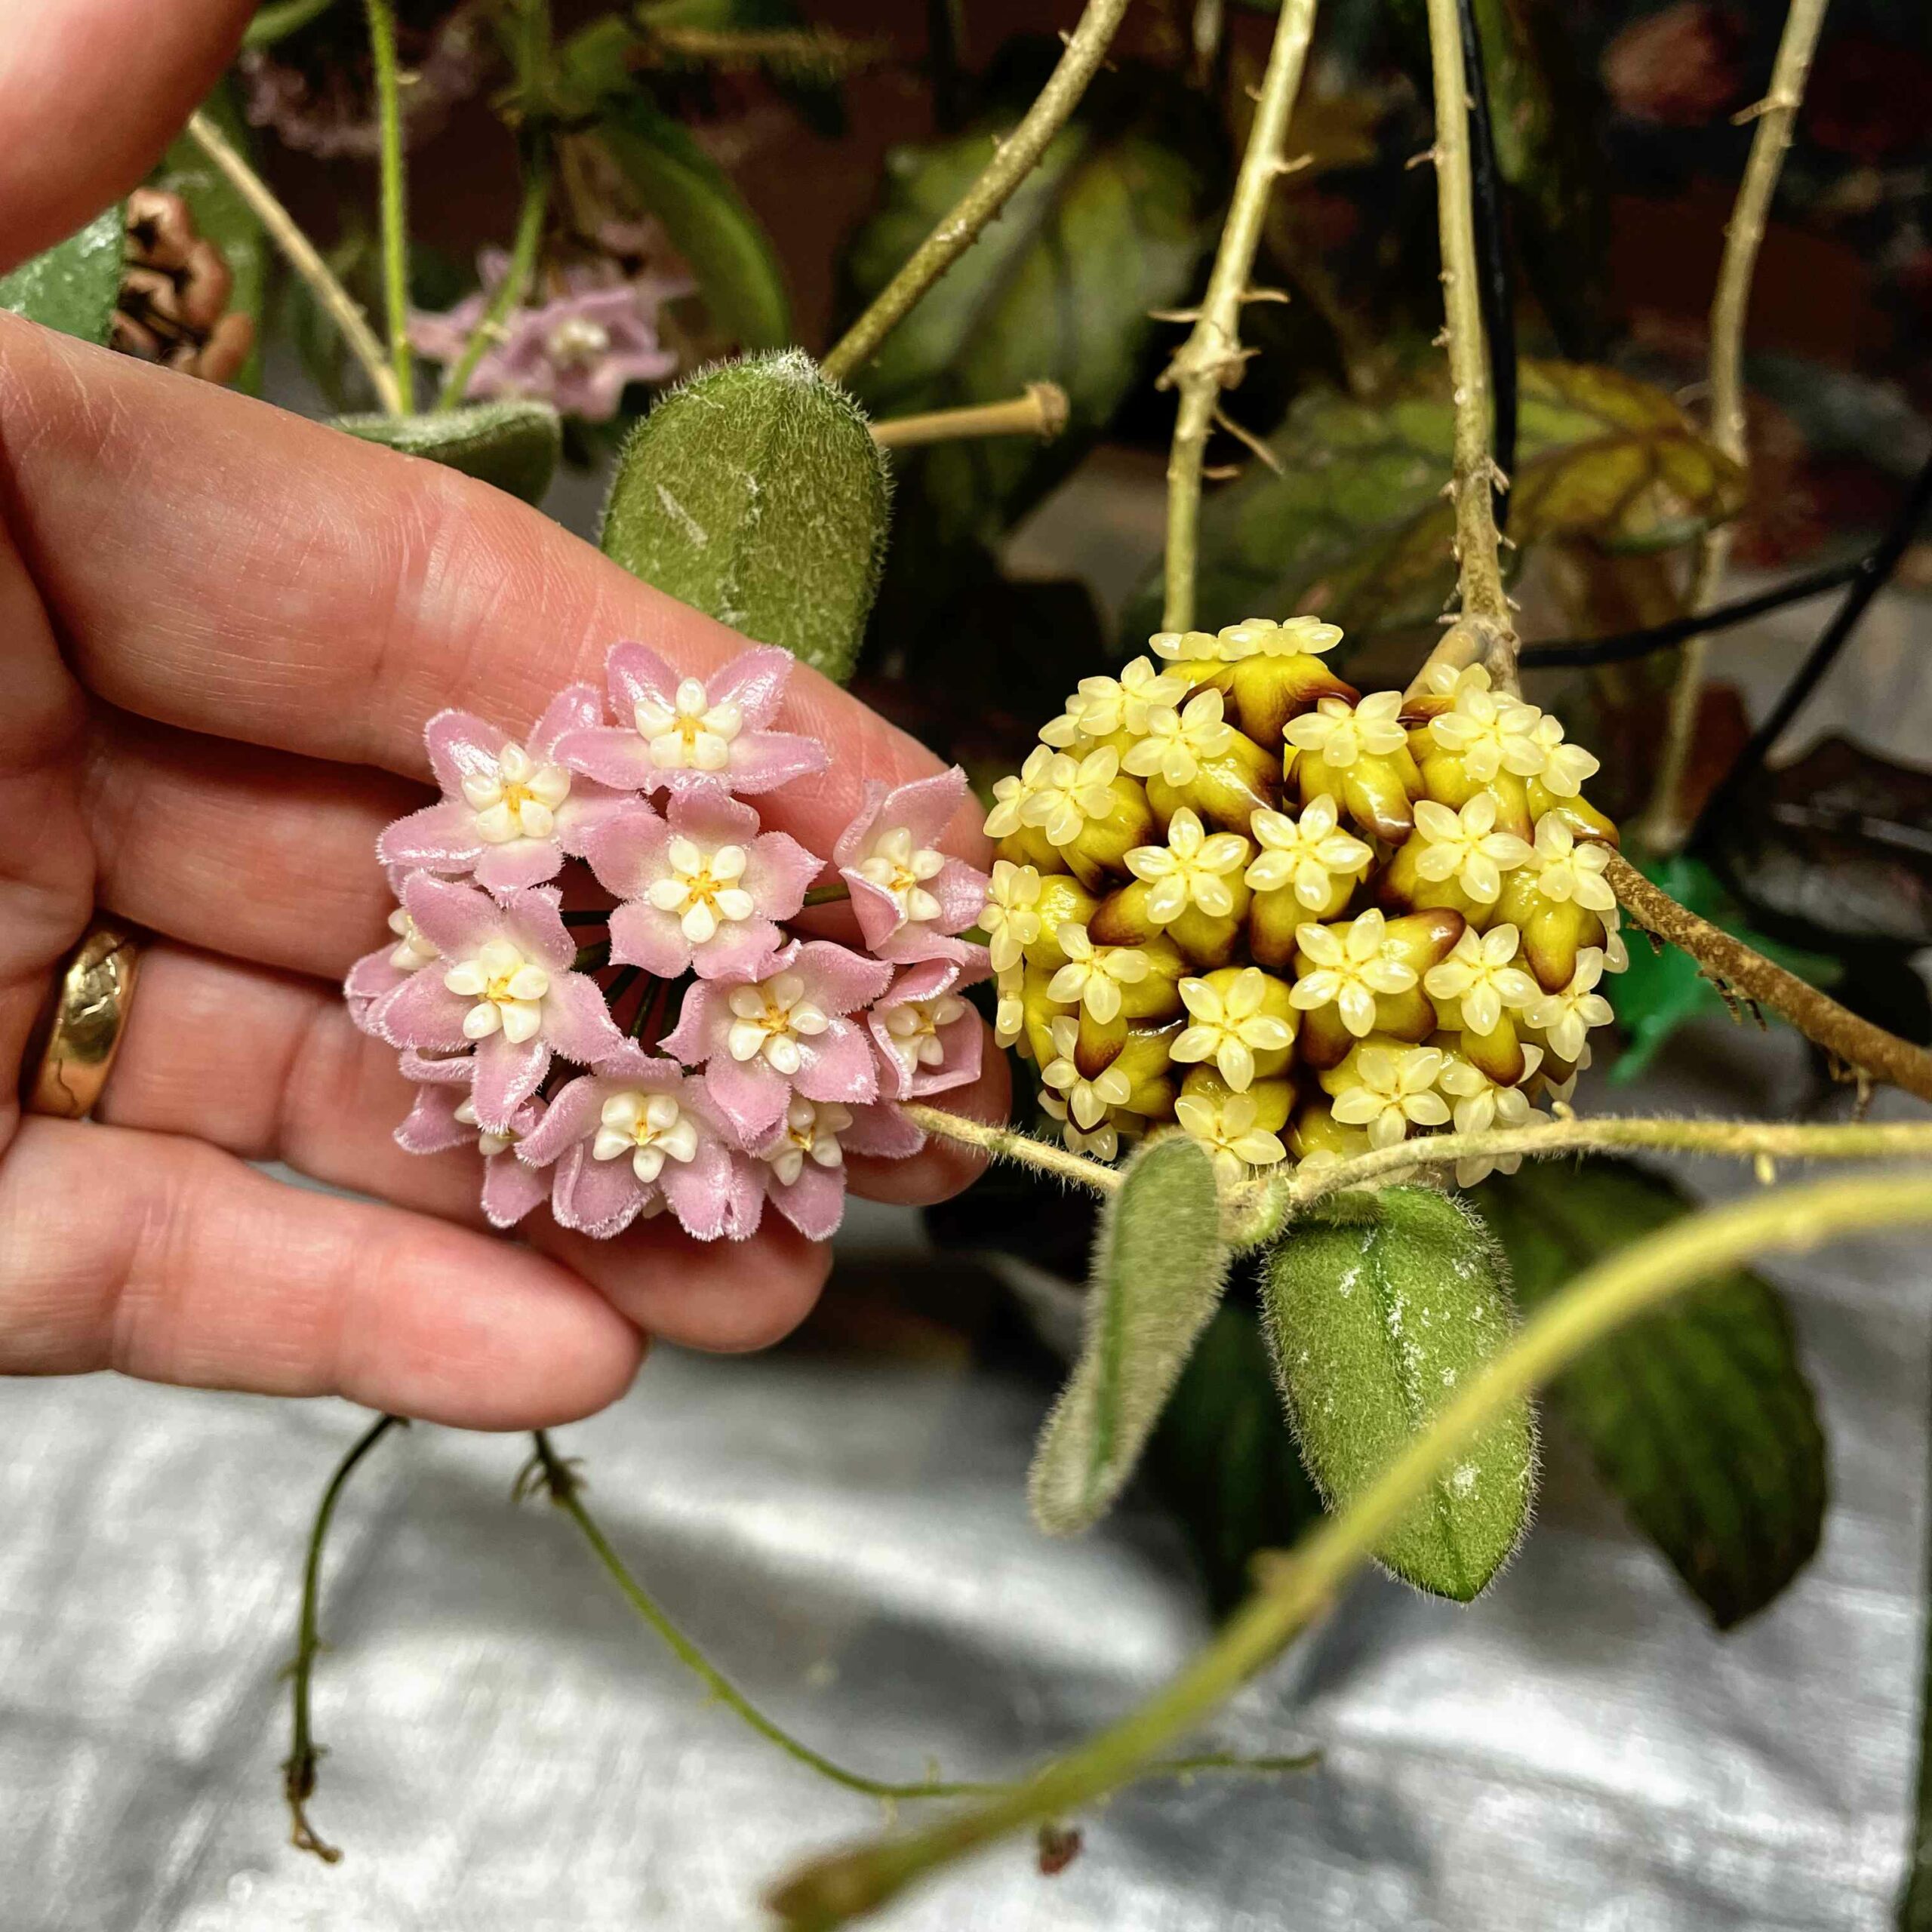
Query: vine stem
point(511, 290)
point(1007, 1143)
point(396, 234)
point(1295, 1587)
point(1483, 631)
point(1857, 1043)
point(298, 1773)
point(1042, 412)
point(1013, 159)
point(1663, 824)
point(565, 1488)
point(1211, 359)
point(300, 254)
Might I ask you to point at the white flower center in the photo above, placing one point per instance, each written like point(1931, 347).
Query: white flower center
point(508, 990)
point(895, 867)
point(770, 1018)
point(414, 951)
point(914, 1028)
point(811, 1134)
point(702, 887)
point(576, 341)
point(652, 1128)
point(487, 1142)
point(689, 734)
point(517, 798)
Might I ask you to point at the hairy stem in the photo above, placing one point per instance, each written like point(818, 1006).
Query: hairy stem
point(396, 234)
point(1663, 824)
point(515, 285)
point(1012, 160)
point(1483, 631)
point(300, 254)
point(1211, 359)
point(298, 1773)
point(1860, 1045)
point(1007, 1143)
point(1299, 1585)
point(1041, 412)
point(1495, 281)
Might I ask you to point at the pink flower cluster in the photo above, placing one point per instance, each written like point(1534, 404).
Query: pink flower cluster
point(592, 975)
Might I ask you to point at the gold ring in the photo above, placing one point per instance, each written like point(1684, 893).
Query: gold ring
point(84, 1022)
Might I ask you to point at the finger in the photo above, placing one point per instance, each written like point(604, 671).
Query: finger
point(162, 1258)
point(269, 1067)
point(257, 854)
point(218, 565)
point(79, 130)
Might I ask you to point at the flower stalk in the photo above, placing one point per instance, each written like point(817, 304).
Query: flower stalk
point(1041, 412)
point(515, 284)
point(395, 230)
point(1296, 1587)
point(1211, 359)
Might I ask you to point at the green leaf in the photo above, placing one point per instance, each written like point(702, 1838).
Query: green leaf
point(1377, 1309)
point(754, 493)
point(223, 218)
point(278, 19)
point(1159, 1267)
point(1699, 1417)
point(1356, 526)
point(1110, 224)
point(1222, 1460)
point(1662, 990)
point(706, 218)
point(73, 286)
point(514, 445)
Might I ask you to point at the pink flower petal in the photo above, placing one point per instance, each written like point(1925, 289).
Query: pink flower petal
point(571, 1116)
point(635, 674)
point(438, 1070)
point(814, 1204)
point(577, 1022)
point(642, 935)
point(877, 912)
point(627, 851)
point(751, 1095)
point(883, 1132)
point(735, 952)
point(600, 1199)
point(462, 746)
point(510, 1189)
point(455, 919)
point(589, 806)
point(612, 756)
point(423, 1013)
point(515, 867)
point(533, 925)
point(716, 1195)
point(576, 708)
point(961, 890)
point(838, 1066)
point(836, 978)
point(704, 1020)
point(755, 681)
point(709, 814)
point(431, 1126)
point(778, 870)
point(507, 1074)
point(370, 981)
point(761, 761)
point(441, 837)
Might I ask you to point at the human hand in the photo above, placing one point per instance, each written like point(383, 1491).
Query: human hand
point(225, 628)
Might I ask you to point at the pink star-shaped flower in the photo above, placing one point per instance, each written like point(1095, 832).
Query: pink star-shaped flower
point(634, 1136)
point(928, 1038)
point(680, 733)
point(800, 1165)
point(445, 1116)
point(703, 887)
point(509, 812)
point(503, 982)
point(783, 1031)
point(909, 897)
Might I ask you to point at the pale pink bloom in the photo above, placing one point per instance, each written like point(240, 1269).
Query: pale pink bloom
point(782, 1033)
point(502, 981)
point(801, 1164)
point(445, 1116)
point(634, 1136)
point(909, 897)
point(704, 887)
point(378, 974)
point(928, 1038)
point(509, 811)
point(682, 733)
point(578, 350)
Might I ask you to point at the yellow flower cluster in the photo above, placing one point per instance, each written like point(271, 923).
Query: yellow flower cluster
point(1234, 893)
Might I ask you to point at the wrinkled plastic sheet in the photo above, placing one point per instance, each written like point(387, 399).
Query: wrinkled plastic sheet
point(846, 1533)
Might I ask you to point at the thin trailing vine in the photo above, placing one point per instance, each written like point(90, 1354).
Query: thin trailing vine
point(298, 1773)
point(564, 1487)
point(1211, 359)
point(1297, 1586)
point(1497, 281)
point(395, 230)
point(1777, 115)
point(1012, 160)
point(517, 277)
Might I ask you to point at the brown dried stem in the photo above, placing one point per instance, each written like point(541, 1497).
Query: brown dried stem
point(1012, 160)
point(1860, 1045)
point(1210, 360)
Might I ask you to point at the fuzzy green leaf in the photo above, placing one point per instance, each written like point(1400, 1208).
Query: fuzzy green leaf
point(1109, 225)
point(1158, 1270)
point(514, 445)
point(1699, 1417)
point(754, 493)
point(1356, 527)
point(74, 286)
point(223, 218)
point(706, 219)
point(1377, 1309)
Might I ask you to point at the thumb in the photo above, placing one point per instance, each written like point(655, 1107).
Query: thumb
point(91, 91)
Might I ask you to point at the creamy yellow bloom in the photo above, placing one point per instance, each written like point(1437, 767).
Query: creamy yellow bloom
point(1093, 975)
point(1565, 871)
point(1341, 733)
point(1481, 1103)
point(1087, 1100)
point(1465, 847)
point(1308, 853)
point(1227, 1126)
point(1482, 973)
point(1489, 730)
point(1186, 647)
point(1387, 1089)
point(1103, 706)
point(1191, 869)
point(1564, 1019)
point(1263, 637)
point(1349, 967)
point(1010, 919)
point(1226, 1024)
point(1069, 791)
point(1174, 743)
point(1014, 792)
